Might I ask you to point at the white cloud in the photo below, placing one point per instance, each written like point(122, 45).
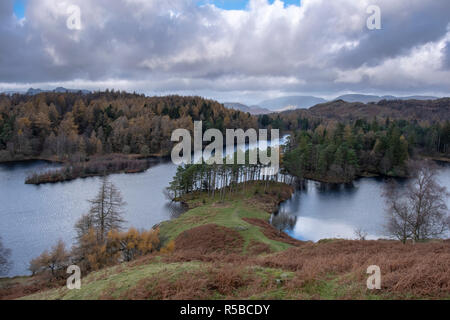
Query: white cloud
point(177, 46)
point(422, 66)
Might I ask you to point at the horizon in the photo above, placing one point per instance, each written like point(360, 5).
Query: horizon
point(333, 98)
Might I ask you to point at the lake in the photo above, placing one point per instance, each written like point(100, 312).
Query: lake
point(335, 211)
point(33, 217)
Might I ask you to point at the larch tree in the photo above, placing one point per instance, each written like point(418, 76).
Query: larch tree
point(107, 209)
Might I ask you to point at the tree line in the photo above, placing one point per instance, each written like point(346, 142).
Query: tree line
point(222, 179)
point(425, 124)
point(74, 125)
point(339, 152)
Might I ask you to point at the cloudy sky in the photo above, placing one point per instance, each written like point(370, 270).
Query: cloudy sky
point(232, 50)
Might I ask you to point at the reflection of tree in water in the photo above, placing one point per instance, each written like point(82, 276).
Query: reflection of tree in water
point(283, 220)
point(325, 187)
point(175, 209)
point(301, 184)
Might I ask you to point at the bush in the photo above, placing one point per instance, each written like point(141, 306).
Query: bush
point(54, 262)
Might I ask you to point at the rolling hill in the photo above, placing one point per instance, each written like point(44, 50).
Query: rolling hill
point(295, 102)
point(363, 98)
point(255, 110)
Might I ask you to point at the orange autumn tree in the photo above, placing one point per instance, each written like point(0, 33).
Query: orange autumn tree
point(133, 243)
point(93, 254)
point(100, 239)
point(53, 262)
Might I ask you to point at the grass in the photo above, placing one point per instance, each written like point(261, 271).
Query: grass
point(229, 214)
point(204, 266)
point(122, 278)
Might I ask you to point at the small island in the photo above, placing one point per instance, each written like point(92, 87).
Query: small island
point(95, 166)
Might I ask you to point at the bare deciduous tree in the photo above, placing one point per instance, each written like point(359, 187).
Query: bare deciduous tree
point(419, 211)
point(361, 234)
point(84, 224)
point(5, 263)
point(106, 209)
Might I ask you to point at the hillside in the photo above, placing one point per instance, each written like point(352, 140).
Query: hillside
point(290, 103)
point(227, 250)
point(420, 110)
point(364, 98)
point(69, 125)
point(256, 110)
point(297, 102)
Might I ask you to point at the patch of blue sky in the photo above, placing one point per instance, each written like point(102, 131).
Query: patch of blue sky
point(240, 4)
point(19, 8)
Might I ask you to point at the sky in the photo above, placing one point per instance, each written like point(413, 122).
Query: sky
point(19, 8)
point(235, 50)
point(240, 4)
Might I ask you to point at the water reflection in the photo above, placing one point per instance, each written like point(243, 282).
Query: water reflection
point(283, 220)
point(339, 210)
point(175, 209)
point(34, 217)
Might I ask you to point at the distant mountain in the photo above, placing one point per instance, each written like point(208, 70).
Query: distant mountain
point(419, 98)
point(291, 102)
point(364, 98)
point(64, 90)
point(256, 110)
point(12, 92)
point(32, 91)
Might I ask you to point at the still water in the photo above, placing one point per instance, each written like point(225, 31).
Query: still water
point(336, 211)
point(33, 218)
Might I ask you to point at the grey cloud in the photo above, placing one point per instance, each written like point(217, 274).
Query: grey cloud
point(446, 53)
point(160, 46)
point(411, 24)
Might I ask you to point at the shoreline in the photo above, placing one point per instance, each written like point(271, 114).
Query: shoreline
point(190, 204)
point(337, 181)
point(96, 166)
point(159, 157)
point(58, 160)
point(366, 174)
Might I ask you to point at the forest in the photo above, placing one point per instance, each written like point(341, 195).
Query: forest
point(337, 142)
point(341, 152)
point(74, 126)
point(105, 132)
